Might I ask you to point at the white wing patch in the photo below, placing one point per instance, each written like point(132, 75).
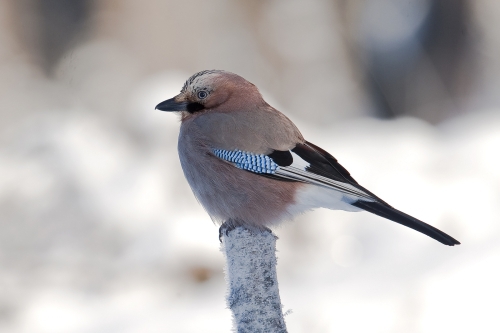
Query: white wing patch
point(298, 162)
point(298, 171)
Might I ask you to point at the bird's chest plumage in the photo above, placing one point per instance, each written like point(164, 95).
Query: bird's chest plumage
point(225, 191)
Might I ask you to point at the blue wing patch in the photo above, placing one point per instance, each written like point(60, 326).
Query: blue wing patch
point(257, 163)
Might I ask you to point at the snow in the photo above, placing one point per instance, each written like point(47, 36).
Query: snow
point(253, 290)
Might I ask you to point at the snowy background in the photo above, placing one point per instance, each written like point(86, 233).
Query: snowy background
point(99, 231)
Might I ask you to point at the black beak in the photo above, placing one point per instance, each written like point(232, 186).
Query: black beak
point(172, 105)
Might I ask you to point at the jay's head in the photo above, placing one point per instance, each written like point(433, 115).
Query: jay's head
point(213, 91)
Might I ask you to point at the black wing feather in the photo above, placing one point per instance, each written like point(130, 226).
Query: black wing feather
point(323, 164)
point(325, 161)
point(281, 157)
point(319, 170)
point(320, 163)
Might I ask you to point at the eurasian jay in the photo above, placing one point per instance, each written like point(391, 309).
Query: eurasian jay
point(246, 162)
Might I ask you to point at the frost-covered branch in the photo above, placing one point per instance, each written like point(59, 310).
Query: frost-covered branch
point(253, 295)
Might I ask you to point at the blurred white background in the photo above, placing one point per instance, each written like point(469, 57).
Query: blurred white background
point(100, 233)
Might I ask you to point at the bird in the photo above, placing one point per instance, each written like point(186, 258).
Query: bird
point(249, 165)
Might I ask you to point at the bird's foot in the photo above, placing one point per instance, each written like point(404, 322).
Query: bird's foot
point(230, 225)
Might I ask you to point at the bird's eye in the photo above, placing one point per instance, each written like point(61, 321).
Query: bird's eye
point(202, 94)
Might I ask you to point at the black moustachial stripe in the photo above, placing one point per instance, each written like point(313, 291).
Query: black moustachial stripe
point(194, 107)
point(395, 215)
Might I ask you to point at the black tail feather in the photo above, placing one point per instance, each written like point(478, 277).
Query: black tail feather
point(395, 215)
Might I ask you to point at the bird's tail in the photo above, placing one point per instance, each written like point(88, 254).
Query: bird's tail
point(395, 215)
